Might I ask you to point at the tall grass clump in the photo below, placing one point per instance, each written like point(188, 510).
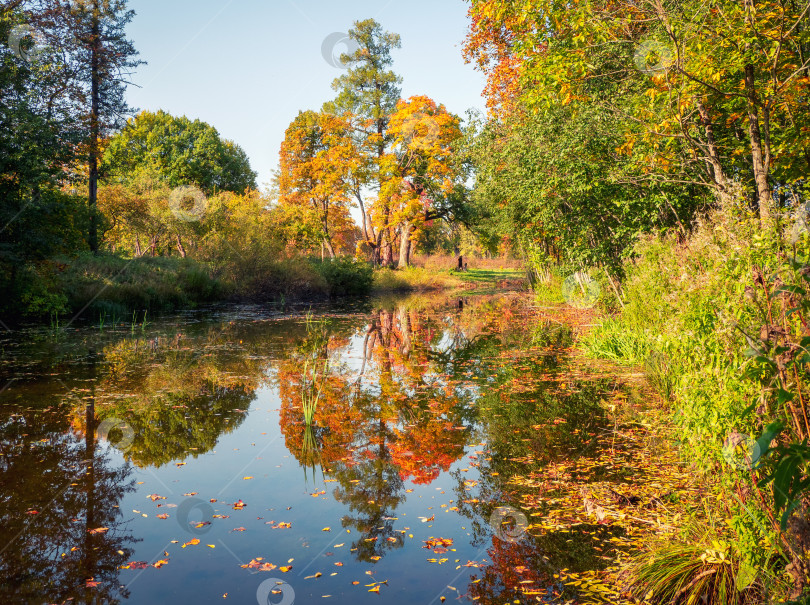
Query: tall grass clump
point(315, 371)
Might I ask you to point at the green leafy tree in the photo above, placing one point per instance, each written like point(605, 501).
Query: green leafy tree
point(180, 151)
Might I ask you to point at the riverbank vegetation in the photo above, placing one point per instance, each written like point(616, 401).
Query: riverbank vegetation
point(656, 155)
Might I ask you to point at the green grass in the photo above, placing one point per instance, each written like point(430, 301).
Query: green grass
point(478, 276)
point(417, 279)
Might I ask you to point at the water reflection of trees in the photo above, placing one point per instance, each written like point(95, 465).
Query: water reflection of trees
point(535, 413)
point(397, 406)
point(179, 395)
point(57, 488)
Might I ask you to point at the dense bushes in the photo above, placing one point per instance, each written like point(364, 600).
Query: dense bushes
point(707, 317)
point(346, 276)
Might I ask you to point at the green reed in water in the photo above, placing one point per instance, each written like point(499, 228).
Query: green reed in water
point(316, 366)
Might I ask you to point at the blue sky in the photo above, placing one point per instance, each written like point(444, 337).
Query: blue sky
point(248, 66)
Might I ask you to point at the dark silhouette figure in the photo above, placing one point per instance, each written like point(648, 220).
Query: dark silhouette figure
point(461, 263)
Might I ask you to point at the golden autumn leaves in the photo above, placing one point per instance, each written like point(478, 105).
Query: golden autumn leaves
point(326, 160)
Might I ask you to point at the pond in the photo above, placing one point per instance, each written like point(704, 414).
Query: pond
point(286, 455)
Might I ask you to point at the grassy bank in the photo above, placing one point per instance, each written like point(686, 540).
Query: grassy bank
point(111, 286)
point(421, 279)
point(718, 322)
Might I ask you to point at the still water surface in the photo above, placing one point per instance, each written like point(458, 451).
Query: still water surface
point(171, 462)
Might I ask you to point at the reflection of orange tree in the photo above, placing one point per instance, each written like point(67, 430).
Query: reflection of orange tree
point(516, 572)
point(396, 420)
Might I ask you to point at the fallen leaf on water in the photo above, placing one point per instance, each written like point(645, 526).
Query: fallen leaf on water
point(192, 542)
point(156, 497)
point(98, 530)
point(211, 545)
point(246, 478)
point(239, 505)
point(163, 516)
point(221, 517)
point(190, 494)
point(238, 529)
point(91, 583)
point(159, 564)
point(285, 568)
point(327, 529)
point(375, 589)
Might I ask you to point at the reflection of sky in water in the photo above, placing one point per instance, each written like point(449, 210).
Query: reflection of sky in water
point(231, 448)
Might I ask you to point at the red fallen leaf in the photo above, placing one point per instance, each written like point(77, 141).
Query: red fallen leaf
point(156, 497)
point(91, 583)
point(160, 563)
point(438, 545)
point(238, 529)
point(221, 516)
point(190, 494)
point(163, 516)
point(213, 500)
point(200, 523)
point(98, 530)
point(239, 505)
point(138, 564)
point(32, 512)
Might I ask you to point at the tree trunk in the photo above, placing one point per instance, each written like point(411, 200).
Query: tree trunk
point(327, 241)
point(758, 157)
point(138, 251)
point(405, 245)
point(95, 76)
point(713, 156)
point(388, 249)
point(180, 247)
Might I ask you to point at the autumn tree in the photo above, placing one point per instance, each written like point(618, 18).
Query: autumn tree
point(316, 163)
point(369, 91)
point(707, 94)
point(426, 175)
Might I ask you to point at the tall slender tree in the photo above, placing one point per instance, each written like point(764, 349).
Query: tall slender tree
point(369, 90)
point(104, 61)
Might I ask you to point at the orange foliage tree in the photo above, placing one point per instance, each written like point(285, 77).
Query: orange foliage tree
point(316, 160)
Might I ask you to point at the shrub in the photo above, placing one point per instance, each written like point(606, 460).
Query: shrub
point(345, 276)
